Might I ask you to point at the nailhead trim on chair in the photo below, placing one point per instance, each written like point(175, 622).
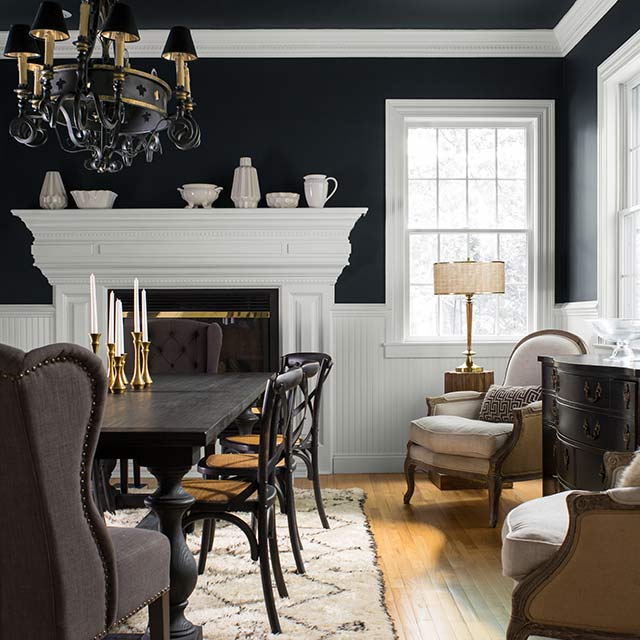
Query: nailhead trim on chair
point(83, 465)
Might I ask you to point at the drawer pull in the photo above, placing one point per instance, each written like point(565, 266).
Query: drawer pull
point(627, 437)
point(555, 380)
point(566, 459)
point(592, 434)
point(587, 392)
point(602, 474)
point(626, 394)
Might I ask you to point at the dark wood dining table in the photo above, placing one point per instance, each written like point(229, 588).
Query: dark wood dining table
point(164, 427)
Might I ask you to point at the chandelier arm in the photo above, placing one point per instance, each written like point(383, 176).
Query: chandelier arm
point(105, 122)
point(75, 140)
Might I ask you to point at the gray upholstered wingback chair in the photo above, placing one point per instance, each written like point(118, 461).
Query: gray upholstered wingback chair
point(451, 440)
point(574, 558)
point(65, 575)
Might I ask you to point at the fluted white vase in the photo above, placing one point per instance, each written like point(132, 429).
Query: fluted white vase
point(53, 195)
point(245, 191)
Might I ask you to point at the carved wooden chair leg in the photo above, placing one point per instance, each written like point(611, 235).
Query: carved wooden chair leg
point(495, 490)
point(124, 475)
point(206, 543)
point(275, 556)
point(159, 618)
point(265, 568)
point(410, 475)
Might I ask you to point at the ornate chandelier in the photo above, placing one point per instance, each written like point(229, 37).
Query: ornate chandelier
point(99, 106)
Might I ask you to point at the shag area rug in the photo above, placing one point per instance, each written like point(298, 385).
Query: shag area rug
point(340, 596)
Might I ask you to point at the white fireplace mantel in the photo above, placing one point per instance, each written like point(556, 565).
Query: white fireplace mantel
point(301, 252)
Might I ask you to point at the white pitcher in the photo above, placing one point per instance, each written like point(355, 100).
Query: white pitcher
point(316, 189)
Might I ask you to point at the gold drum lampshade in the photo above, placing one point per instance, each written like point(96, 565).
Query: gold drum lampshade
point(468, 277)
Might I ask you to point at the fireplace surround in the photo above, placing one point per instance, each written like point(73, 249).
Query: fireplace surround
point(297, 252)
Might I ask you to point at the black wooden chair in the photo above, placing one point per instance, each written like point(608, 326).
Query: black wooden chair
point(65, 575)
point(306, 447)
point(245, 466)
point(224, 499)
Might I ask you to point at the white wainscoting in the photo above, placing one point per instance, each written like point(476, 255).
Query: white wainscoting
point(377, 397)
point(576, 317)
point(27, 326)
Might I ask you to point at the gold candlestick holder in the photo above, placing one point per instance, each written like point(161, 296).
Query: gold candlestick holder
point(137, 382)
point(111, 364)
point(95, 342)
point(145, 362)
point(119, 385)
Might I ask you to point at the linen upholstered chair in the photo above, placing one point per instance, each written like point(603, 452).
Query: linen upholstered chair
point(574, 558)
point(178, 346)
point(65, 575)
point(453, 441)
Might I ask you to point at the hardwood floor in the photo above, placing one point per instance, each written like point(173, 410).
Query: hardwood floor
point(441, 562)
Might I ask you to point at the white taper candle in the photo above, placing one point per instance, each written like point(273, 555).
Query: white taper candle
point(145, 325)
point(136, 305)
point(93, 305)
point(119, 329)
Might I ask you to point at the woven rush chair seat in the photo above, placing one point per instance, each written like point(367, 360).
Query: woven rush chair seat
point(223, 492)
point(230, 462)
point(251, 441)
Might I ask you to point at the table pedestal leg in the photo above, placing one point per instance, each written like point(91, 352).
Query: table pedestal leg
point(170, 502)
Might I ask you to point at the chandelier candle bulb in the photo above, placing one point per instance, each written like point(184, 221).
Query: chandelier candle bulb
point(85, 12)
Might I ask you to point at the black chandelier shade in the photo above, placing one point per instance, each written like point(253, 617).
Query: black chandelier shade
point(120, 22)
point(20, 43)
point(49, 21)
point(180, 43)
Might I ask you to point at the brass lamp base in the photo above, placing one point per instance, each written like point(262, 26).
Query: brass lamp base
point(469, 365)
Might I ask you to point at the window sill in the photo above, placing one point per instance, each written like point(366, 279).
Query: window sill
point(439, 350)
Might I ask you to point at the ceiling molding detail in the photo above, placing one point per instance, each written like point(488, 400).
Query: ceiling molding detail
point(378, 43)
point(578, 21)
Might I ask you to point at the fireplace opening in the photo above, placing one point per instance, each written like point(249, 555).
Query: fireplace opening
point(248, 319)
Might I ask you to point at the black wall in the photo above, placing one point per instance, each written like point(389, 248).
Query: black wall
point(576, 268)
point(292, 117)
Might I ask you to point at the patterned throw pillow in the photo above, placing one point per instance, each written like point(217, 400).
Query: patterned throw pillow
point(499, 402)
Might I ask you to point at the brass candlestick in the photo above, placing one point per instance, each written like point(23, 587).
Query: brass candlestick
point(95, 342)
point(145, 361)
point(137, 382)
point(119, 385)
point(111, 364)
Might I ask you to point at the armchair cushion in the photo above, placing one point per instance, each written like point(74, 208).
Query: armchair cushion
point(532, 533)
point(500, 401)
point(142, 565)
point(630, 476)
point(456, 436)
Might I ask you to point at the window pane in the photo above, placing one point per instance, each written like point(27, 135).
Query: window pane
point(512, 203)
point(485, 315)
point(423, 306)
point(423, 153)
point(453, 204)
point(482, 203)
point(635, 164)
point(423, 204)
point(423, 251)
point(482, 153)
point(513, 251)
point(512, 307)
point(512, 153)
point(453, 246)
point(452, 315)
point(452, 153)
point(483, 246)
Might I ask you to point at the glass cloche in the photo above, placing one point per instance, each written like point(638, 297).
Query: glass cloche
point(622, 332)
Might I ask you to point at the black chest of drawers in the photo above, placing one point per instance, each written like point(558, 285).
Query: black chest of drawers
point(590, 406)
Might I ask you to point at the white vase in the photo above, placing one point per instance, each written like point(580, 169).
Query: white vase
point(245, 191)
point(53, 194)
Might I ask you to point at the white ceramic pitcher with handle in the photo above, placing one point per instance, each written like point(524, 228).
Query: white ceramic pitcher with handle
point(316, 189)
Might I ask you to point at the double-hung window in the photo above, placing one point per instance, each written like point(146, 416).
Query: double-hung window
point(468, 180)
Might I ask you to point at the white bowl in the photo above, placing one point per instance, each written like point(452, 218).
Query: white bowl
point(621, 331)
point(199, 195)
point(283, 200)
point(94, 199)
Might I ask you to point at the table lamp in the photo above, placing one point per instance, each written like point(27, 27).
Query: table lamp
point(468, 278)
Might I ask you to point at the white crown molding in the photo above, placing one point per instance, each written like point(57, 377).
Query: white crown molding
point(348, 43)
point(578, 21)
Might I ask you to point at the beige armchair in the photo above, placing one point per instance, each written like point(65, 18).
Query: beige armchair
point(451, 440)
point(574, 558)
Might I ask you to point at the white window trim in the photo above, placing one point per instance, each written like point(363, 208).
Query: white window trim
point(613, 176)
point(398, 112)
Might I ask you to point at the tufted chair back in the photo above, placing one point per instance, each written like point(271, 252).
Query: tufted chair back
point(180, 345)
point(524, 369)
point(57, 563)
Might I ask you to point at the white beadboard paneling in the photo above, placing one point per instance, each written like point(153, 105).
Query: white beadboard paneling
point(26, 326)
point(377, 397)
